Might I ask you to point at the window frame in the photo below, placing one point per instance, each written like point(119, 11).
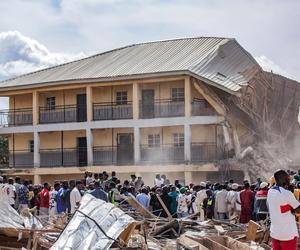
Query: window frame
point(51, 103)
point(31, 146)
point(177, 94)
point(153, 140)
point(178, 139)
point(122, 97)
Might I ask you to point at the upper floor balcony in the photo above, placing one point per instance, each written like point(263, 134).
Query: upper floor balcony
point(16, 117)
point(112, 110)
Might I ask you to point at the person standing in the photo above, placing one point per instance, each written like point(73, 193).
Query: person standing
point(53, 200)
point(247, 198)
point(231, 200)
point(158, 181)
point(139, 183)
point(173, 207)
point(143, 198)
point(45, 199)
point(17, 185)
point(98, 192)
point(220, 202)
point(183, 203)
point(75, 196)
point(208, 204)
point(166, 199)
point(201, 195)
point(9, 192)
point(260, 202)
point(61, 198)
point(282, 206)
point(23, 195)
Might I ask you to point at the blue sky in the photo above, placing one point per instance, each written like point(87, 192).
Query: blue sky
point(36, 34)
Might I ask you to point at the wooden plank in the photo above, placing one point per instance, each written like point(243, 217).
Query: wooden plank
point(164, 207)
point(134, 203)
point(190, 244)
point(251, 231)
point(211, 244)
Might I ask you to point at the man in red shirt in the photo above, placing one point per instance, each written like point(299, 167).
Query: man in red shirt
point(44, 200)
point(246, 197)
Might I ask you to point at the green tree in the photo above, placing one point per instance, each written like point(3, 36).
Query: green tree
point(4, 153)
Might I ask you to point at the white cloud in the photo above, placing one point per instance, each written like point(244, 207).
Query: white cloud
point(21, 54)
point(268, 65)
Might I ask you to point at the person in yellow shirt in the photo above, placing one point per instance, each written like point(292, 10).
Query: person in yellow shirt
point(297, 196)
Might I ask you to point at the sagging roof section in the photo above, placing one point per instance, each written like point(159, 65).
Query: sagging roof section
point(220, 61)
point(95, 225)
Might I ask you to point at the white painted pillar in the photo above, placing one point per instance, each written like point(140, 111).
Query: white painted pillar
point(36, 149)
point(37, 179)
point(137, 146)
point(89, 142)
point(188, 177)
point(187, 142)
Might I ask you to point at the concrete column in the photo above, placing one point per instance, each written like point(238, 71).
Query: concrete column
point(137, 149)
point(36, 149)
point(187, 142)
point(89, 103)
point(188, 177)
point(135, 100)
point(35, 107)
point(187, 97)
point(37, 179)
point(89, 142)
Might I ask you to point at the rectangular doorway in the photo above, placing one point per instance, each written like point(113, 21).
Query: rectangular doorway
point(81, 108)
point(148, 103)
point(82, 151)
point(125, 149)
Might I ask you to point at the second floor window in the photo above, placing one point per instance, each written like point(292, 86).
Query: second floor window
point(178, 139)
point(154, 140)
point(121, 98)
point(31, 146)
point(50, 103)
point(177, 94)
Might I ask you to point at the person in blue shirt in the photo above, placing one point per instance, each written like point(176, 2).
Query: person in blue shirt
point(143, 198)
point(61, 198)
point(98, 192)
point(173, 207)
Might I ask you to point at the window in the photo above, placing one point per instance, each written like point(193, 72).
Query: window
point(121, 98)
point(177, 94)
point(50, 103)
point(178, 139)
point(31, 146)
point(154, 140)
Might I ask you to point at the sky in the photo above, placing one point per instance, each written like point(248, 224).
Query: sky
point(36, 34)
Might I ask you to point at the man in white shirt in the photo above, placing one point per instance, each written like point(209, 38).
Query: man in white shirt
point(9, 192)
point(158, 181)
point(75, 196)
point(282, 206)
point(201, 195)
point(231, 200)
point(220, 203)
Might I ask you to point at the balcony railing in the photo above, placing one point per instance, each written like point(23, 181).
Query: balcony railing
point(20, 159)
point(105, 155)
point(62, 114)
point(67, 157)
point(162, 108)
point(201, 107)
point(167, 153)
point(15, 117)
point(204, 152)
point(112, 111)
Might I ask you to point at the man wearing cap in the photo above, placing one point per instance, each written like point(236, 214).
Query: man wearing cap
point(282, 206)
point(201, 195)
point(260, 202)
point(231, 199)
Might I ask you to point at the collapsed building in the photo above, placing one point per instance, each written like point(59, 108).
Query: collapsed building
point(194, 109)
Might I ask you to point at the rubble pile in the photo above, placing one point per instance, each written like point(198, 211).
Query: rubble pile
point(100, 225)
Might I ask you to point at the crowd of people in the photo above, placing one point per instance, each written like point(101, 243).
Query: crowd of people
point(278, 199)
point(227, 200)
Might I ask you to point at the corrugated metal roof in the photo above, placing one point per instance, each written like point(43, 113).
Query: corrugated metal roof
point(219, 60)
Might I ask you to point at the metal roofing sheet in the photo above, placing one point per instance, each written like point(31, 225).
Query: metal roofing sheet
point(205, 57)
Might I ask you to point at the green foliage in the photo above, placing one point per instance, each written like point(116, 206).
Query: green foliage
point(4, 153)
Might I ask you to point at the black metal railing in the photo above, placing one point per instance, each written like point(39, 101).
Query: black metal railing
point(20, 159)
point(62, 114)
point(104, 155)
point(162, 108)
point(202, 107)
point(112, 111)
point(167, 153)
point(204, 152)
point(15, 117)
point(67, 157)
